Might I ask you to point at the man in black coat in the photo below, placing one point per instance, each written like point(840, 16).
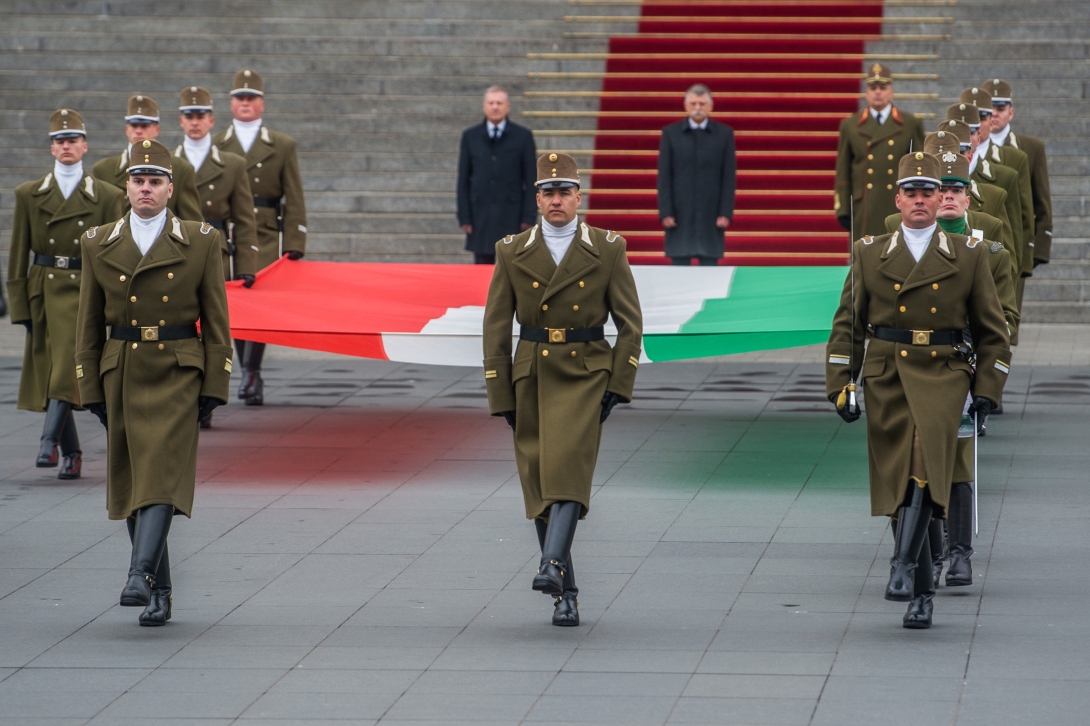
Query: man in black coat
point(697, 172)
point(496, 174)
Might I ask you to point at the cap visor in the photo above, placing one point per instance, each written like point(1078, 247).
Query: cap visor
point(195, 109)
point(557, 183)
point(66, 134)
point(1000, 101)
point(141, 119)
point(148, 169)
point(918, 182)
point(954, 181)
point(247, 92)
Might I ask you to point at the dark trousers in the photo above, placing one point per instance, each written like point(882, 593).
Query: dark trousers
point(483, 259)
point(687, 261)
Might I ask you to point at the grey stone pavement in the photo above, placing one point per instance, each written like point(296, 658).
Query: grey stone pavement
point(358, 555)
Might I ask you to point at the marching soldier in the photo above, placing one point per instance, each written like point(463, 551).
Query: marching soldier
point(912, 292)
point(277, 189)
point(142, 122)
point(871, 142)
point(44, 269)
point(1003, 136)
point(224, 187)
point(562, 279)
point(151, 277)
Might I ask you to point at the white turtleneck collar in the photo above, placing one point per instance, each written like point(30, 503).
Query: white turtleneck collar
point(558, 239)
point(67, 176)
point(246, 131)
point(1000, 137)
point(196, 151)
point(146, 231)
point(917, 239)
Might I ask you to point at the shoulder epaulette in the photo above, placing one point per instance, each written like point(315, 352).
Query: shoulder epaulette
point(864, 116)
point(205, 228)
point(92, 232)
point(972, 242)
point(509, 239)
point(995, 248)
point(867, 239)
point(895, 114)
point(611, 236)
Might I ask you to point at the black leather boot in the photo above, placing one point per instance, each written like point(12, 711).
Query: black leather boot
point(71, 455)
point(245, 387)
point(149, 540)
point(960, 522)
point(936, 535)
point(913, 519)
point(918, 615)
point(566, 610)
point(158, 610)
point(254, 353)
point(56, 414)
point(556, 550)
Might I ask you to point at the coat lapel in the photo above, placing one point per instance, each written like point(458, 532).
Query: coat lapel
point(120, 250)
point(897, 262)
point(230, 142)
point(581, 258)
point(262, 148)
point(164, 250)
point(534, 259)
point(76, 204)
point(211, 168)
point(50, 197)
point(935, 264)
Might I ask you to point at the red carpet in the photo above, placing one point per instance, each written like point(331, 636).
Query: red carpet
point(783, 74)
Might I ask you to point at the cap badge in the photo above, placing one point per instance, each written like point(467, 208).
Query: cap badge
point(139, 98)
point(192, 89)
point(146, 144)
point(975, 90)
point(919, 156)
point(875, 69)
point(64, 112)
point(996, 81)
point(942, 134)
point(552, 157)
point(961, 107)
point(949, 157)
point(247, 74)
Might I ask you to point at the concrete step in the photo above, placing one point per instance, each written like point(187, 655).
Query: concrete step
point(1042, 312)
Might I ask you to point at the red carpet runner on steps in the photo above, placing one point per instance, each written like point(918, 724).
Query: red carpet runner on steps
point(783, 74)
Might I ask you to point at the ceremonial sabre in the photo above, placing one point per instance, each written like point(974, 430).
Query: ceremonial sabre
point(847, 399)
point(976, 517)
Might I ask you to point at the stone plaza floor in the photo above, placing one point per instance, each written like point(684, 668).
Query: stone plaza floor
point(358, 555)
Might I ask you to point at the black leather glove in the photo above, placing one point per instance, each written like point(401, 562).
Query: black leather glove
point(293, 254)
point(510, 418)
point(25, 323)
point(981, 407)
point(98, 409)
point(845, 222)
point(1038, 261)
point(206, 404)
point(608, 402)
point(247, 280)
point(848, 413)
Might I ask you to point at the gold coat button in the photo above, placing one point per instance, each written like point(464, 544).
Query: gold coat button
point(934, 354)
point(170, 275)
point(575, 307)
point(903, 308)
point(545, 353)
point(891, 142)
point(582, 284)
point(211, 186)
point(52, 241)
point(536, 285)
point(259, 165)
point(870, 171)
point(889, 186)
point(122, 278)
point(161, 346)
point(50, 275)
point(935, 286)
point(162, 322)
point(80, 222)
point(208, 203)
point(256, 180)
point(132, 299)
point(904, 353)
point(870, 186)
point(573, 354)
point(544, 307)
point(165, 298)
point(870, 156)
point(889, 171)
point(73, 276)
point(897, 286)
point(934, 310)
point(134, 346)
point(890, 157)
point(134, 323)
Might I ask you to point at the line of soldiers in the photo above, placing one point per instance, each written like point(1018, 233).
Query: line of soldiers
point(974, 184)
point(143, 244)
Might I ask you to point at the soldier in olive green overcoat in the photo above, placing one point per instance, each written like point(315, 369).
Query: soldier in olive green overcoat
point(273, 174)
point(142, 122)
point(871, 142)
point(44, 268)
point(562, 280)
point(152, 278)
point(914, 292)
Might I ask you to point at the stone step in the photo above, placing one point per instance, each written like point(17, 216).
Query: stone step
point(1041, 312)
point(338, 10)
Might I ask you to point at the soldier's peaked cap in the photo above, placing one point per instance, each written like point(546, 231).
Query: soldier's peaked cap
point(953, 167)
point(878, 73)
point(149, 157)
point(918, 170)
point(556, 171)
point(247, 83)
point(960, 131)
point(980, 98)
point(195, 98)
point(142, 110)
point(66, 124)
point(1001, 90)
point(966, 112)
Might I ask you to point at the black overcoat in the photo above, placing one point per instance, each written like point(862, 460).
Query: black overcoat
point(697, 171)
point(496, 184)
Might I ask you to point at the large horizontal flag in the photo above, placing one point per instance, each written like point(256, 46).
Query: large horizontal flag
point(433, 314)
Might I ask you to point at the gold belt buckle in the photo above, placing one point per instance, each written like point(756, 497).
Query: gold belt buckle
point(557, 335)
point(61, 262)
point(921, 337)
point(149, 333)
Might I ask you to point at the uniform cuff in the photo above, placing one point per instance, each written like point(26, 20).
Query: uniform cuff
point(217, 372)
point(87, 377)
point(18, 302)
point(622, 376)
point(497, 381)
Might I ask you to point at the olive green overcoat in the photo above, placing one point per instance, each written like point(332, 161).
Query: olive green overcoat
point(556, 389)
point(1041, 188)
point(1005, 178)
point(917, 389)
point(1017, 160)
point(151, 388)
point(46, 223)
point(184, 203)
point(225, 194)
point(992, 201)
point(272, 167)
point(866, 166)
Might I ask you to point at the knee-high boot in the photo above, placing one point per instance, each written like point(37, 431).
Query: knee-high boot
point(556, 551)
point(918, 615)
point(936, 535)
point(158, 610)
point(149, 541)
point(913, 519)
point(71, 453)
point(56, 414)
point(961, 535)
point(246, 387)
point(254, 353)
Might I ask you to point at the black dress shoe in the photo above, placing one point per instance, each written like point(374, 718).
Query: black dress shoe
point(137, 592)
point(257, 391)
point(919, 612)
point(566, 612)
point(960, 572)
point(48, 455)
point(913, 520)
point(158, 610)
point(246, 387)
point(71, 466)
point(550, 578)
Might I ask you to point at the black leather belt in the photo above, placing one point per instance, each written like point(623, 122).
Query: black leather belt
point(918, 337)
point(219, 224)
point(62, 263)
point(267, 202)
point(154, 332)
point(561, 335)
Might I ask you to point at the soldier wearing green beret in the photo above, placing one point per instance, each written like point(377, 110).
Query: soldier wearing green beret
point(142, 122)
point(561, 279)
point(151, 277)
point(871, 142)
point(44, 269)
point(912, 292)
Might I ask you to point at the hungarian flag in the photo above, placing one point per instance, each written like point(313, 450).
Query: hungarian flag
point(434, 314)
